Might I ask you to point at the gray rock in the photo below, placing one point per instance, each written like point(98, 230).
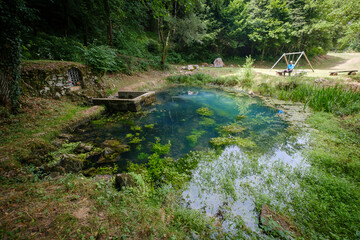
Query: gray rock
point(83, 148)
point(88, 148)
point(116, 146)
point(57, 95)
point(108, 151)
point(218, 63)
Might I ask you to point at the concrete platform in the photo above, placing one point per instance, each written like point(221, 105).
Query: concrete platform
point(126, 101)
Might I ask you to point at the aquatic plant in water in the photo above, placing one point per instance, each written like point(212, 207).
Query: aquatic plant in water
point(149, 126)
point(195, 135)
point(233, 128)
point(239, 117)
point(224, 141)
point(207, 122)
point(205, 111)
point(136, 128)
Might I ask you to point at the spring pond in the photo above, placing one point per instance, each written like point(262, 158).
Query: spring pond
point(231, 184)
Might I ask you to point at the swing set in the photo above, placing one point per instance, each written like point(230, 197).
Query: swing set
point(292, 55)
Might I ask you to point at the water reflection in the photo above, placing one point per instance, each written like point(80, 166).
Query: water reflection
point(231, 185)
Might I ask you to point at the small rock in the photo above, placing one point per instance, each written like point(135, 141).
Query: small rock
point(124, 180)
point(88, 148)
point(57, 95)
point(251, 93)
point(116, 146)
point(71, 162)
point(218, 63)
point(65, 136)
point(108, 151)
point(82, 148)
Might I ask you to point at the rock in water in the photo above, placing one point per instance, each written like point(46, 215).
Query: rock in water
point(218, 63)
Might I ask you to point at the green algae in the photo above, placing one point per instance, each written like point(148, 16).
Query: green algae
point(207, 122)
point(195, 135)
point(224, 141)
point(233, 128)
point(205, 111)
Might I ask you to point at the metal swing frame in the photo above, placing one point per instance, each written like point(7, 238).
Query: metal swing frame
point(293, 53)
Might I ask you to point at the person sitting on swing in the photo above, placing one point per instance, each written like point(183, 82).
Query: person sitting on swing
point(289, 68)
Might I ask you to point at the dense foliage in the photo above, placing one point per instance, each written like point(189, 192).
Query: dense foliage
point(189, 30)
point(100, 32)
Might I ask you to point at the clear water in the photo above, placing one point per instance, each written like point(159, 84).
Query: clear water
point(229, 186)
point(175, 118)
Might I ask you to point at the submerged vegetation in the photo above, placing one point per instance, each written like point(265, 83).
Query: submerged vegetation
point(205, 111)
point(226, 141)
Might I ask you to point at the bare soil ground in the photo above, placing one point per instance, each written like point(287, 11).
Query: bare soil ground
point(323, 65)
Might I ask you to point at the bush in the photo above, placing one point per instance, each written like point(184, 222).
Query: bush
point(247, 76)
point(55, 48)
point(102, 59)
point(153, 46)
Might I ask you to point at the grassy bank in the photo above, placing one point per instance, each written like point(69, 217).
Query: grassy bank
point(70, 206)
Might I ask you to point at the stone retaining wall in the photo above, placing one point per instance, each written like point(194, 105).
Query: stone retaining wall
point(55, 79)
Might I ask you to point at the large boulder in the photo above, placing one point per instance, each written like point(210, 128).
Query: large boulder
point(219, 63)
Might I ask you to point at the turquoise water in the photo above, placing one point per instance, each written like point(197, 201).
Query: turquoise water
point(175, 119)
point(232, 185)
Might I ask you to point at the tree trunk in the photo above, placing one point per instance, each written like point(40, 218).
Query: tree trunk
point(109, 23)
point(10, 53)
point(165, 48)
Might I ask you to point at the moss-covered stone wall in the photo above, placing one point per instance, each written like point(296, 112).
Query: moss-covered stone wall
point(51, 79)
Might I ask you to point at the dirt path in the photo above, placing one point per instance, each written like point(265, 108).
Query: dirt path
point(351, 61)
point(139, 81)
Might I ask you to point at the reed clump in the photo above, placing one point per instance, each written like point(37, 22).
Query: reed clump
point(338, 100)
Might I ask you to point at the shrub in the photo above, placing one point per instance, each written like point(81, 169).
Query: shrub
point(153, 46)
point(247, 76)
point(102, 59)
point(55, 48)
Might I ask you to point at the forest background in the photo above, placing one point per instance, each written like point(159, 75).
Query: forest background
point(109, 34)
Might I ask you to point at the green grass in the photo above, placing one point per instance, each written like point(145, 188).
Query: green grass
point(30, 133)
point(328, 205)
point(74, 207)
point(338, 99)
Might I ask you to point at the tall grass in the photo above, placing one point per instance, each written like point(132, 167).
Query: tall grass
point(338, 99)
point(247, 75)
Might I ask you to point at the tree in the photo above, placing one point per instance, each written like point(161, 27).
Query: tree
point(347, 15)
point(12, 14)
point(166, 12)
